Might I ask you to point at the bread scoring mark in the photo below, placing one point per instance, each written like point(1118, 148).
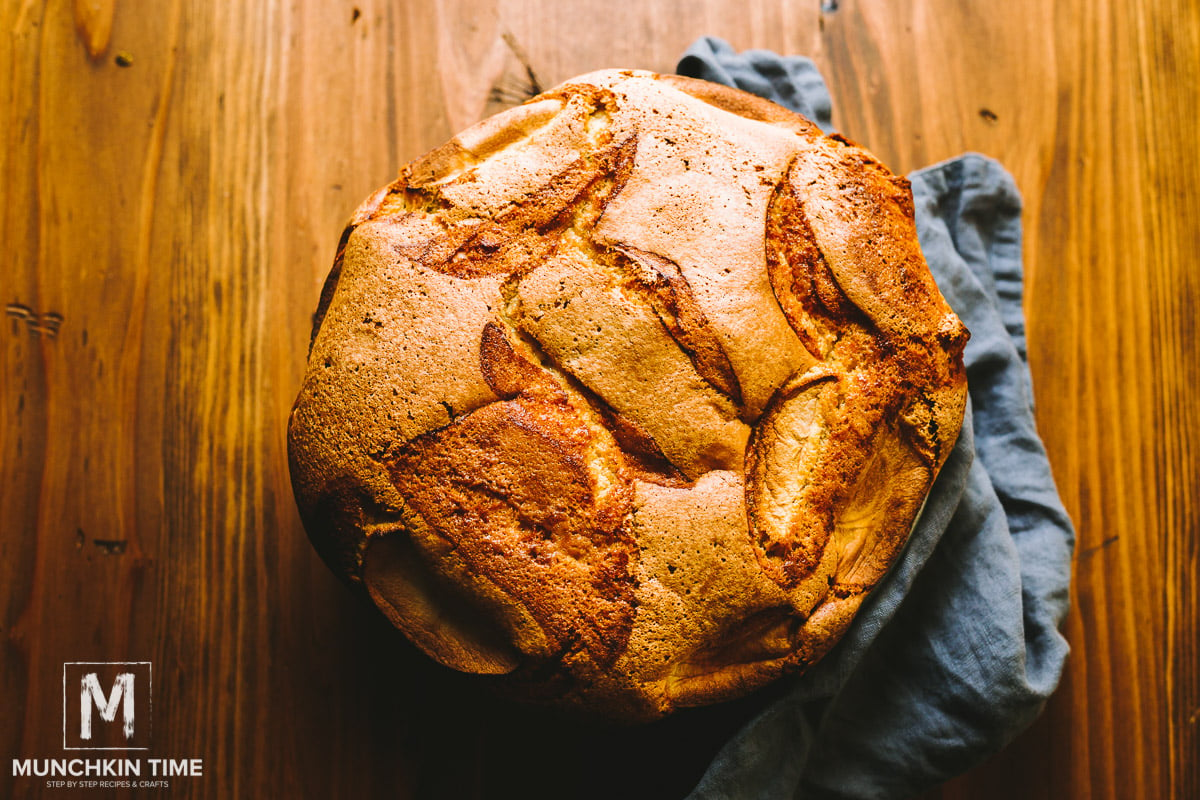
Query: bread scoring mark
point(802, 282)
point(861, 219)
point(516, 490)
point(513, 129)
point(670, 295)
point(471, 242)
point(510, 374)
point(741, 104)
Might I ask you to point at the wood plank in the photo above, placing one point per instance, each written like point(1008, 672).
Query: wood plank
point(166, 226)
point(1113, 351)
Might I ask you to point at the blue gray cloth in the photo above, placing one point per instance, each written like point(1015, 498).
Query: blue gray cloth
point(957, 649)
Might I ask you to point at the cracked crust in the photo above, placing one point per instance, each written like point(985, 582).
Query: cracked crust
point(627, 396)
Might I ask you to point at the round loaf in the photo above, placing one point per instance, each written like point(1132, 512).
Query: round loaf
point(627, 396)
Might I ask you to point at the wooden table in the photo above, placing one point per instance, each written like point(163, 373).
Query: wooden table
point(175, 177)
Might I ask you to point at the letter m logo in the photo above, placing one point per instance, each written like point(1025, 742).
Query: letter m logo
point(106, 705)
point(93, 695)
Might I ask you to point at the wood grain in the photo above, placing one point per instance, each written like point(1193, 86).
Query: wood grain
point(165, 228)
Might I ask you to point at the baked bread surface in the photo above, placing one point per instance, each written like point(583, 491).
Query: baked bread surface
point(628, 395)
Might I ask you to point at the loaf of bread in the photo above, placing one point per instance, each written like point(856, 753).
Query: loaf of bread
point(627, 396)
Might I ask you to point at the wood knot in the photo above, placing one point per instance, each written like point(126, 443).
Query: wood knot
point(93, 23)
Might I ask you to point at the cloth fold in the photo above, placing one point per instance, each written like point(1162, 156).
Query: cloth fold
point(958, 648)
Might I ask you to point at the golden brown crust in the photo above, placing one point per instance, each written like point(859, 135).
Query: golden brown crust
point(628, 395)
